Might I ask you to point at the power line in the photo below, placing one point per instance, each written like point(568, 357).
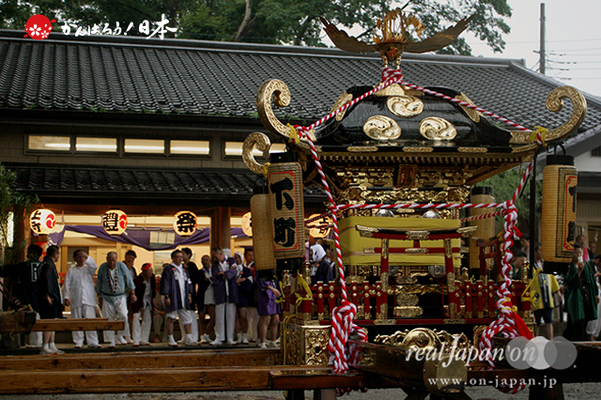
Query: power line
point(582, 69)
point(579, 62)
point(548, 41)
point(578, 77)
point(593, 49)
point(579, 55)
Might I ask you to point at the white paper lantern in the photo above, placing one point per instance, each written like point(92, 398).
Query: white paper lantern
point(319, 228)
point(42, 221)
point(185, 223)
point(247, 224)
point(114, 222)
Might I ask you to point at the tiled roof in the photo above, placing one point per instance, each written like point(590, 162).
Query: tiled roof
point(222, 79)
point(61, 182)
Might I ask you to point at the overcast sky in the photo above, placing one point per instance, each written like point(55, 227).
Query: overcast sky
point(573, 40)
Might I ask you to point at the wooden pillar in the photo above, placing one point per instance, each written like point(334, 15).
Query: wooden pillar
point(220, 228)
point(64, 260)
point(120, 256)
point(21, 235)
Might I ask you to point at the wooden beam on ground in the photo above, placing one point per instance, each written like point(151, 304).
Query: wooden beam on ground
point(88, 324)
point(136, 380)
point(176, 379)
point(188, 357)
point(314, 378)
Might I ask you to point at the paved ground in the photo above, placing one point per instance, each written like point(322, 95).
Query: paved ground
point(576, 391)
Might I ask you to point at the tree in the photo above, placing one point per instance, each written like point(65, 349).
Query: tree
point(14, 14)
point(504, 186)
point(488, 23)
point(267, 21)
point(10, 202)
point(276, 21)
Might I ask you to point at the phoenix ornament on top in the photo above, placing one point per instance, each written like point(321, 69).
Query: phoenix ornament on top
point(394, 36)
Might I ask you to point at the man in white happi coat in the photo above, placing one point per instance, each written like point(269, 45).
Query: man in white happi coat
point(79, 294)
point(113, 284)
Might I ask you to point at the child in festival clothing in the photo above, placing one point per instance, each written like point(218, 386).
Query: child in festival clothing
point(269, 311)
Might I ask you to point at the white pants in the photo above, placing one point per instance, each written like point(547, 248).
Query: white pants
point(193, 329)
point(84, 311)
point(183, 315)
point(35, 338)
point(126, 331)
point(142, 335)
point(253, 320)
point(225, 314)
point(114, 311)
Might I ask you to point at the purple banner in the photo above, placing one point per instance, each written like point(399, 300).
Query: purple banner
point(140, 238)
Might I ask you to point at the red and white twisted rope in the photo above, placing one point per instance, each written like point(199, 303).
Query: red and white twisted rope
point(342, 316)
point(482, 216)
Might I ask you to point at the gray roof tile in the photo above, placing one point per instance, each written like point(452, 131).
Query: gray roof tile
point(52, 182)
point(213, 78)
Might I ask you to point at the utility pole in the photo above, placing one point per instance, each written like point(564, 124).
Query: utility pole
point(542, 53)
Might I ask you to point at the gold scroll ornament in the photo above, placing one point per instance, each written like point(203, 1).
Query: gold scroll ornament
point(277, 91)
point(382, 128)
point(405, 106)
point(555, 103)
point(255, 141)
point(436, 128)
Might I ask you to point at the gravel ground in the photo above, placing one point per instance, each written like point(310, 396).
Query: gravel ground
point(573, 391)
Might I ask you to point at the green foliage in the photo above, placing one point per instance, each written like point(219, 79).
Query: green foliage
point(504, 186)
point(267, 21)
point(488, 24)
point(10, 200)
point(14, 14)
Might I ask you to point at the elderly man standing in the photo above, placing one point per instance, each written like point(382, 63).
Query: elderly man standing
point(176, 288)
point(79, 294)
point(113, 284)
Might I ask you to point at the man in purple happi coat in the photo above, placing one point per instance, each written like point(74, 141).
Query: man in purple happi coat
point(226, 297)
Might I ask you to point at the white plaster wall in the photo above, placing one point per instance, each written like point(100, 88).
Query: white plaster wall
point(585, 162)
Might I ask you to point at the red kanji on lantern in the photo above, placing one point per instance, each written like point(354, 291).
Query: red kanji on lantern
point(42, 221)
point(114, 222)
point(38, 27)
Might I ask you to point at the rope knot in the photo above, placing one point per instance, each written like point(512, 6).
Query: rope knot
point(538, 136)
point(394, 75)
point(294, 136)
